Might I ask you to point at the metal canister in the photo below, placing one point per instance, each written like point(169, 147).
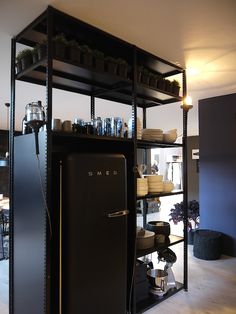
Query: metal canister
point(116, 126)
point(107, 127)
point(98, 127)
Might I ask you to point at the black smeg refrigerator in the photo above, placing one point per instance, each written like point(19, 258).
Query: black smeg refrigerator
point(94, 233)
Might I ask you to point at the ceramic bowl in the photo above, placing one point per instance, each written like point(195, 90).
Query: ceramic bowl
point(145, 240)
point(159, 227)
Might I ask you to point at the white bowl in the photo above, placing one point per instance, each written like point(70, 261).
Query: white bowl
point(168, 186)
point(169, 137)
point(146, 240)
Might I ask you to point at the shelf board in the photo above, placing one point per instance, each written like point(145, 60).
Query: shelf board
point(157, 64)
point(152, 195)
point(151, 144)
point(153, 300)
point(80, 79)
point(173, 239)
point(62, 134)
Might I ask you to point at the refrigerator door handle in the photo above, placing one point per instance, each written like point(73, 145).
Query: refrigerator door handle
point(118, 213)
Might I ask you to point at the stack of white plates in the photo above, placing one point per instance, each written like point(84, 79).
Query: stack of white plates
point(139, 129)
point(155, 183)
point(168, 186)
point(142, 186)
point(152, 135)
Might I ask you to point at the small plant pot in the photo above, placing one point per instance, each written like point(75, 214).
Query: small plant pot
point(74, 54)
point(35, 57)
point(59, 50)
point(42, 52)
point(161, 84)
point(145, 78)
point(168, 86)
point(87, 59)
point(153, 81)
point(139, 74)
point(111, 67)
point(122, 70)
point(175, 90)
point(26, 62)
point(18, 67)
point(99, 64)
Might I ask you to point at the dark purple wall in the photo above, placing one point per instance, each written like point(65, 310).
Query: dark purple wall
point(193, 175)
point(217, 176)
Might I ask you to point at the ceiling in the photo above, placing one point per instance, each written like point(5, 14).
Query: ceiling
point(198, 35)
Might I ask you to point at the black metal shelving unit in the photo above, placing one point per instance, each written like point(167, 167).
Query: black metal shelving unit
point(53, 72)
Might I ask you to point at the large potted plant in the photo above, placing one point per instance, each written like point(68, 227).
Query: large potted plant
point(177, 215)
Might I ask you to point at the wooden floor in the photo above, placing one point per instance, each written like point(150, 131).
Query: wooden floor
point(212, 288)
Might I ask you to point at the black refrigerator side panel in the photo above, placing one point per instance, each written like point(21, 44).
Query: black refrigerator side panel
point(94, 246)
point(29, 225)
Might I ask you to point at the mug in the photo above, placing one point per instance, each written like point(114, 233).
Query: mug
point(67, 126)
point(56, 124)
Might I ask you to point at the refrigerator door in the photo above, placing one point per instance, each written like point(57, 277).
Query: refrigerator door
point(94, 250)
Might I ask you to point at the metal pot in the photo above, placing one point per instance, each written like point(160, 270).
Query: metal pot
point(158, 278)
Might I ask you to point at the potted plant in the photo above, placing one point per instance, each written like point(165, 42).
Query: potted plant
point(167, 85)
point(111, 65)
point(177, 215)
point(42, 50)
point(145, 76)
point(74, 51)
point(87, 56)
point(25, 58)
point(60, 44)
point(175, 87)
point(160, 82)
point(98, 58)
point(153, 79)
point(18, 64)
point(34, 52)
point(122, 69)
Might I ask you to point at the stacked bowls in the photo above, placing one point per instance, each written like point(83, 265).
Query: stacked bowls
point(142, 186)
point(152, 135)
point(155, 183)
